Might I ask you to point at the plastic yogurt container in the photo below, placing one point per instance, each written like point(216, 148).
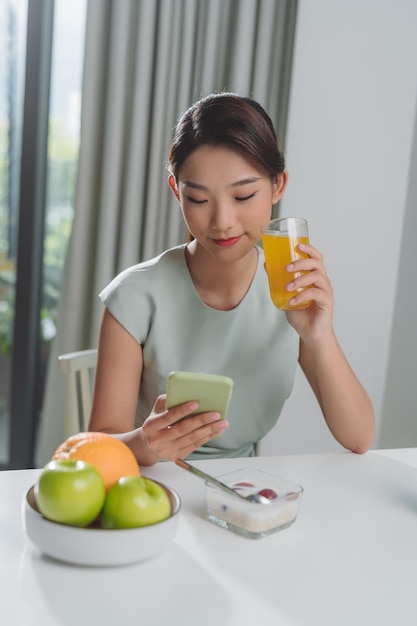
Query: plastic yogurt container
point(253, 519)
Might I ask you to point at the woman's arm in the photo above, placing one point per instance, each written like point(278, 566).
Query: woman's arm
point(117, 379)
point(345, 404)
point(115, 397)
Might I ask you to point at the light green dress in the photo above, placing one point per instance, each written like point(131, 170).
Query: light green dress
point(253, 344)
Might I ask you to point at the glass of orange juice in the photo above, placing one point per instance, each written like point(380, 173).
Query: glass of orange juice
point(280, 240)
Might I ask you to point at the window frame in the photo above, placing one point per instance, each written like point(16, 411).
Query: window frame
point(26, 348)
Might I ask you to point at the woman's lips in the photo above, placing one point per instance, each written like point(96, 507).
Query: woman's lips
point(230, 241)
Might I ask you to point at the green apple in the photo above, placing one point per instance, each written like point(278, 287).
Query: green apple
point(70, 492)
point(135, 501)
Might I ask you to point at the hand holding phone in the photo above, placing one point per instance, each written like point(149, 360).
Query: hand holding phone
point(212, 392)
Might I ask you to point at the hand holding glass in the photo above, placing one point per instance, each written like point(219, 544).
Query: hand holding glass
point(280, 240)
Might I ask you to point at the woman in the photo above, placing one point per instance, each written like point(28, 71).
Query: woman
point(204, 306)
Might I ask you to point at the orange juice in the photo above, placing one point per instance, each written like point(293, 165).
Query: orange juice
point(280, 250)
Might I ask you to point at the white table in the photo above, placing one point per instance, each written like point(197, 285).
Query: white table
point(350, 558)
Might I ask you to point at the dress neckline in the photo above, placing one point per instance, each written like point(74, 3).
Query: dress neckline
point(207, 306)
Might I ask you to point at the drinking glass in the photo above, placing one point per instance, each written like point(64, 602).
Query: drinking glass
point(280, 240)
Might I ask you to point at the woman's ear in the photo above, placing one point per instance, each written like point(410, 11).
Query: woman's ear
point(172, 183)
point(279, 186)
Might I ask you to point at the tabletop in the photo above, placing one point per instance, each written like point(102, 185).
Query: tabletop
point(350, 557)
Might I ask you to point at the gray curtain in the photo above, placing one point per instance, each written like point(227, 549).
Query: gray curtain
point(145, 62)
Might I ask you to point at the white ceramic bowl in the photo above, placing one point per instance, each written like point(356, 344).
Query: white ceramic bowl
point(96, 546)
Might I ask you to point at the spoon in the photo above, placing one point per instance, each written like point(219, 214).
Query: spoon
point(253, 497)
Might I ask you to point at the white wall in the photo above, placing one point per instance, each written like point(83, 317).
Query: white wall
point(399, 414)
point(349, 146)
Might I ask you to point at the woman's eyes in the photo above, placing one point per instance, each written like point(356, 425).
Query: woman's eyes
point(243, 198)
point(237, 198)
point(194, 201)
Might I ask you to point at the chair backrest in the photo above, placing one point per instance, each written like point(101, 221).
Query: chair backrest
point(79, 370)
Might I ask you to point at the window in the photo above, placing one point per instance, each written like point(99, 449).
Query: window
point(32, 253)
point(12, 68)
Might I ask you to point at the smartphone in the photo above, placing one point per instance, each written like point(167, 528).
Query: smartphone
point(211, 391)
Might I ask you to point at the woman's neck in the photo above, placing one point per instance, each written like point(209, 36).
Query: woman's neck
point(220, 285)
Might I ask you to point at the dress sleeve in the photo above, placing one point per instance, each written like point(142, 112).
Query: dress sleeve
point(129, 299)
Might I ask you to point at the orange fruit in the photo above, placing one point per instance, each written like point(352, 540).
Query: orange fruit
point(111, 457)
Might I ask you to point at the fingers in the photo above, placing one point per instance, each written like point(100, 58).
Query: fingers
point(309, 275)
point(178, 440)
point(312, 279)
point(312, 252)
point(191, 433)
point(308, 271)
point(167, 417)
point(173, 432)
point(314, 260)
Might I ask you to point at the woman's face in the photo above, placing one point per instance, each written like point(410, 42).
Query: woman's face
point(225, 200)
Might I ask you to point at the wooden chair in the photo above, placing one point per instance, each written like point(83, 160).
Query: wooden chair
point(79, 370)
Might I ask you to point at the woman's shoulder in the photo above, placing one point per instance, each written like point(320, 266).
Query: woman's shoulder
point(146, 272)
point(162, 262)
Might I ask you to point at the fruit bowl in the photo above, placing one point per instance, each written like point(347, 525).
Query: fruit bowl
point(253, 519)
point(95, 546)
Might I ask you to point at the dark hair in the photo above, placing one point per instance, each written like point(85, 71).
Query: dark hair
point(226, 119)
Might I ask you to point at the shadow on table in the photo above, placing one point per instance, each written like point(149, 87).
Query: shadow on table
point(335, 563)
point(148, 593)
